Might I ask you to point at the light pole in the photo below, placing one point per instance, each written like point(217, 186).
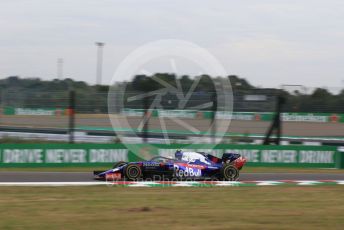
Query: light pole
point(100, 46)
point(59, 68)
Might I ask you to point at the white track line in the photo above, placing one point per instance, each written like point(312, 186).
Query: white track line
point(177, 184)
point(53, 183)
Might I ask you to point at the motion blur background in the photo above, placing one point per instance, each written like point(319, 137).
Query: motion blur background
point(292, 49)
point(283, 59)
point(35, 109)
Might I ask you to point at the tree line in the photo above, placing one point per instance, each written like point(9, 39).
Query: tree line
point(37, 93)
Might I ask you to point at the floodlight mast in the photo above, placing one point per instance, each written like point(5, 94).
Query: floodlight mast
point(99, 66)
point(59, 74)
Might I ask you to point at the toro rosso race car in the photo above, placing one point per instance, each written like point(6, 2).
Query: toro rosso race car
point(185, 165)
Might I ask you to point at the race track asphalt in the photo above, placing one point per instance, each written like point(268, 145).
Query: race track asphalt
point(88, 176)
point(312, 129)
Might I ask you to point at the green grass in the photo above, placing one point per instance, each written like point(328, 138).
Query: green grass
point(246, 169)
point(102, 207)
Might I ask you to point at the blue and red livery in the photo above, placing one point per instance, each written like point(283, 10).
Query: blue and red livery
point(185, 165)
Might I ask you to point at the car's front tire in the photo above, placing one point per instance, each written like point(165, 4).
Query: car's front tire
point(132, 172)
point(229, 172)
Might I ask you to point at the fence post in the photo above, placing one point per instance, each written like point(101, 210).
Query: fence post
point(213, 117)
point(340, 158)
point(276, 123)
point(71, 115)
point(146, 117)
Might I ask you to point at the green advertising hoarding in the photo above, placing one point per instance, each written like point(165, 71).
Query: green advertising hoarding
point(63, 154)
point(32, 111)
point(31, 155)
point(313, 117)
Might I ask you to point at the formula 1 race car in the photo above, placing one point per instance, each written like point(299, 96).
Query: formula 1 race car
point(185, 165)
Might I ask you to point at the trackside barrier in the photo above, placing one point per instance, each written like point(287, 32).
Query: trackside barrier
point(61, 155)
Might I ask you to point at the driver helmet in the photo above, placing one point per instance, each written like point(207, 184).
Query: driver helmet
point(179, 154)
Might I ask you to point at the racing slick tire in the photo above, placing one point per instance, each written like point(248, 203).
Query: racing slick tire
point(132, 172)
point(229, 173)
point(119, 164)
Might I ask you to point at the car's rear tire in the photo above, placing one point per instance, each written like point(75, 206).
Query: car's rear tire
point(132, 172)
point(119, 164)
point(229, 172)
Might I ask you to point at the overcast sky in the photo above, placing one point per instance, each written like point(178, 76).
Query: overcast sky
point(268, 42)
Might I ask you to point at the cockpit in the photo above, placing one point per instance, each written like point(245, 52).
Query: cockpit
point(188, 157)
point(192, 157)
point(162, 159)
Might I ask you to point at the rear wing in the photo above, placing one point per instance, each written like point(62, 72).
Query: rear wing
point(230, 157)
